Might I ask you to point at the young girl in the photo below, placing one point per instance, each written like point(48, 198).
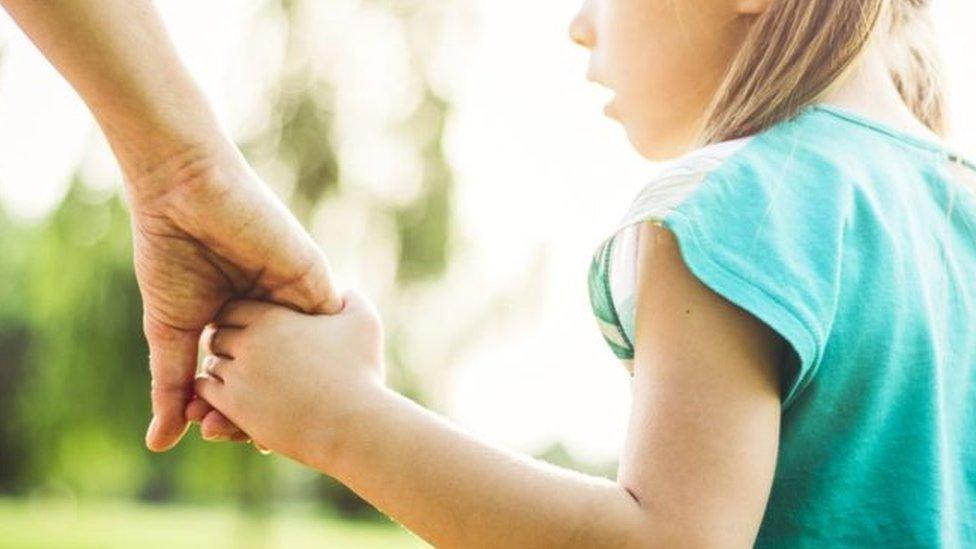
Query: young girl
point(792, 296)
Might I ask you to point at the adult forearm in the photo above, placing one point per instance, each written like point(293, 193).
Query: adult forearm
point(457, 491)
point(117, 55)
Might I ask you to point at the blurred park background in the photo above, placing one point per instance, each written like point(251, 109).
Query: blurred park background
point(453, 163)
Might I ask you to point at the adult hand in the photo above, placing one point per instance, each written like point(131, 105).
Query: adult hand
point(205, 227)
point(205, 230)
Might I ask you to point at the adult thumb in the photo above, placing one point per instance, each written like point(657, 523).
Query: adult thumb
point(172, 363)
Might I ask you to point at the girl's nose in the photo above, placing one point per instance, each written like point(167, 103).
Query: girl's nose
point(580, 30)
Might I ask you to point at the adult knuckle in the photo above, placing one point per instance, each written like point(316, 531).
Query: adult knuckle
point(161, 388)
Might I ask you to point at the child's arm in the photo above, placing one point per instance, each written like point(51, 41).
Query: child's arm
point(696, 469)
point(455, 490)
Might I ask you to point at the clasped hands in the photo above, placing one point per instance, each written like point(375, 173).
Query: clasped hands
point(289, 356)
point(290, 380)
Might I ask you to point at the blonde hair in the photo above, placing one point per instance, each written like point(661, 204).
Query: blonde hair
point(796, 50)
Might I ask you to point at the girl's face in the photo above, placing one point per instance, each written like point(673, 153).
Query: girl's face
point(664, 60)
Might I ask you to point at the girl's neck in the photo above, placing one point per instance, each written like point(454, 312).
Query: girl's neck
point(869, 91)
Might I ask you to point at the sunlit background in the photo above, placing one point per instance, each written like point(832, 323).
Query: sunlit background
point(452, 162)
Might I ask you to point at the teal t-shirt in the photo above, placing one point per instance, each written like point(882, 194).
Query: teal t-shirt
point(857, 244)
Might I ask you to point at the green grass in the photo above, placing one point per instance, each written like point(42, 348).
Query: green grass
point(34, 524)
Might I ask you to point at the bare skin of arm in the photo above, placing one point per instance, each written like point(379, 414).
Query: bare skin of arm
point(698, 460)
point(703, 435)
point(697, 464)
point(205, 228)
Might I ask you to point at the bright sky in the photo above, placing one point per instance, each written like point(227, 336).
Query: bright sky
point(537, 164)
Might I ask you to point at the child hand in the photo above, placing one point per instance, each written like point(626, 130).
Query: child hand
point(291, 380)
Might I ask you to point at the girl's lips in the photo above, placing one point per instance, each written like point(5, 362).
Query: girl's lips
point(607, 94)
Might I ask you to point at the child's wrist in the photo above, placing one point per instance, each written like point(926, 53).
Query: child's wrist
point(339, 435)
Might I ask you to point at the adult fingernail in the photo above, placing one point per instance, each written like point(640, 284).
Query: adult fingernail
point(212, 437)
point(151, 431)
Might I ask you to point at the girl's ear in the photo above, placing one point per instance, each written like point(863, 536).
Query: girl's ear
point(750, 7)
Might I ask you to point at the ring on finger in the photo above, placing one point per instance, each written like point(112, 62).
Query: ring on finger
point(210, 364)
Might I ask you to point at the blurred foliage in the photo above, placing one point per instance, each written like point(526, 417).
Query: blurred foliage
point(301, 135)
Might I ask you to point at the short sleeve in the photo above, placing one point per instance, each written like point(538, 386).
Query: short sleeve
point(766, 231)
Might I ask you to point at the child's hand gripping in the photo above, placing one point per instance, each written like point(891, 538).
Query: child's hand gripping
point(290, 380)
